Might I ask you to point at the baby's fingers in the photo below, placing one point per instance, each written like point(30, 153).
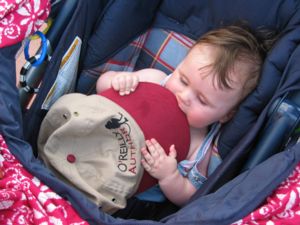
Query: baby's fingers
point(135, 82)
point(153, 144)
point(128, 85)
point(123, 84)
point(146, 165)
point(173, 152)
point(119, 84)
point(115, 83)
point(148, 158)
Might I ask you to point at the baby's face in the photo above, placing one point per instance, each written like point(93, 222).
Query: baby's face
point(197, 91)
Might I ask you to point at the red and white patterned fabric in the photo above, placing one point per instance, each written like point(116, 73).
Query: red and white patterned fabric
point(20, 18)
point(282, 207)
point(25, 200)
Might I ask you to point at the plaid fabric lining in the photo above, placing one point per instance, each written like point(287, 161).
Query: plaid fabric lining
point(163, 50)
point(157, 48)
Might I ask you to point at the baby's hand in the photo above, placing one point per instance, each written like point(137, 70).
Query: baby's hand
point(158, 164)
point(125, 82)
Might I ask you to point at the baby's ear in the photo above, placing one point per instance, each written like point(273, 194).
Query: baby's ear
point(228, 116)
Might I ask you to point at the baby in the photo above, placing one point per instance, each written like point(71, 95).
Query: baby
point(219, 71)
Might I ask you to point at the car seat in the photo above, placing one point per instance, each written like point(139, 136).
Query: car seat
point(274, 100)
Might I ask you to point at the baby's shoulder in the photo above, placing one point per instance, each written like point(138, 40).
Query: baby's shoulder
point(151, 75)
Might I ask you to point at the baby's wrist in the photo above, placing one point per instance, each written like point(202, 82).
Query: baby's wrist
point(169, 178)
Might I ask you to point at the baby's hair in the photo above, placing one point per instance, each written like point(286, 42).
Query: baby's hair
point(236, 44)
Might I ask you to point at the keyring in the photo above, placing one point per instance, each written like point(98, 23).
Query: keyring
point(38, 58)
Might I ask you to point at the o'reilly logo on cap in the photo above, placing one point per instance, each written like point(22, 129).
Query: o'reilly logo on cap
point(121, 130)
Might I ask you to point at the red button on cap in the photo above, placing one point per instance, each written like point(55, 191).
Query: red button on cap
point(71, 158)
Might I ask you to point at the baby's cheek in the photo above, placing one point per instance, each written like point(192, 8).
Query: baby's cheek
point(173, 84)
point(195, 120)
point(200, 119)
point(170, 87)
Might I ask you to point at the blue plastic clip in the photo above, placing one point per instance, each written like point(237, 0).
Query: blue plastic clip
point(38, 58)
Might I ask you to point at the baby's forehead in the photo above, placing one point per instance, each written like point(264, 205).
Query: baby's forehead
point(201, 55)
point(211, 60)
point(212, 49)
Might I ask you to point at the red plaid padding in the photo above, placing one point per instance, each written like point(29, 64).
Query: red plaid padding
point(282, 207)
point(157, 48)
point(24, 199)
point(163, 50)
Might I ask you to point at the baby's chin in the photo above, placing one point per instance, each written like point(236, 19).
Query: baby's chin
point(196, 126)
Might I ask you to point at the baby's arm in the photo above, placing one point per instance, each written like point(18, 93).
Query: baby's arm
point(126, 82)
point(177, 189)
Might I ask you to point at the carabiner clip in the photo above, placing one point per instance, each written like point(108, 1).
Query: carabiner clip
point(41, 57)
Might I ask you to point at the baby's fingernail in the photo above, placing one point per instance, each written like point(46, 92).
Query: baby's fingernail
point(132, 89)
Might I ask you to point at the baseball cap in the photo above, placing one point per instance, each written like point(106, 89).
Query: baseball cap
point(93, 142)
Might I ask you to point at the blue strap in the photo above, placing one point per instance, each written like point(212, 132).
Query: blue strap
point(189, 168)
point(207, 142)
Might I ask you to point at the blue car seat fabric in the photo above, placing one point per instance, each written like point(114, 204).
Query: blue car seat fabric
point(247, 190)
point(118, 25)
point(222, 207)
point(121, 22)
point(210, 209)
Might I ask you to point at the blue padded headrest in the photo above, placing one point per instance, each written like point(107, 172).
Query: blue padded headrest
point(276, 79)
point(194, 18)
